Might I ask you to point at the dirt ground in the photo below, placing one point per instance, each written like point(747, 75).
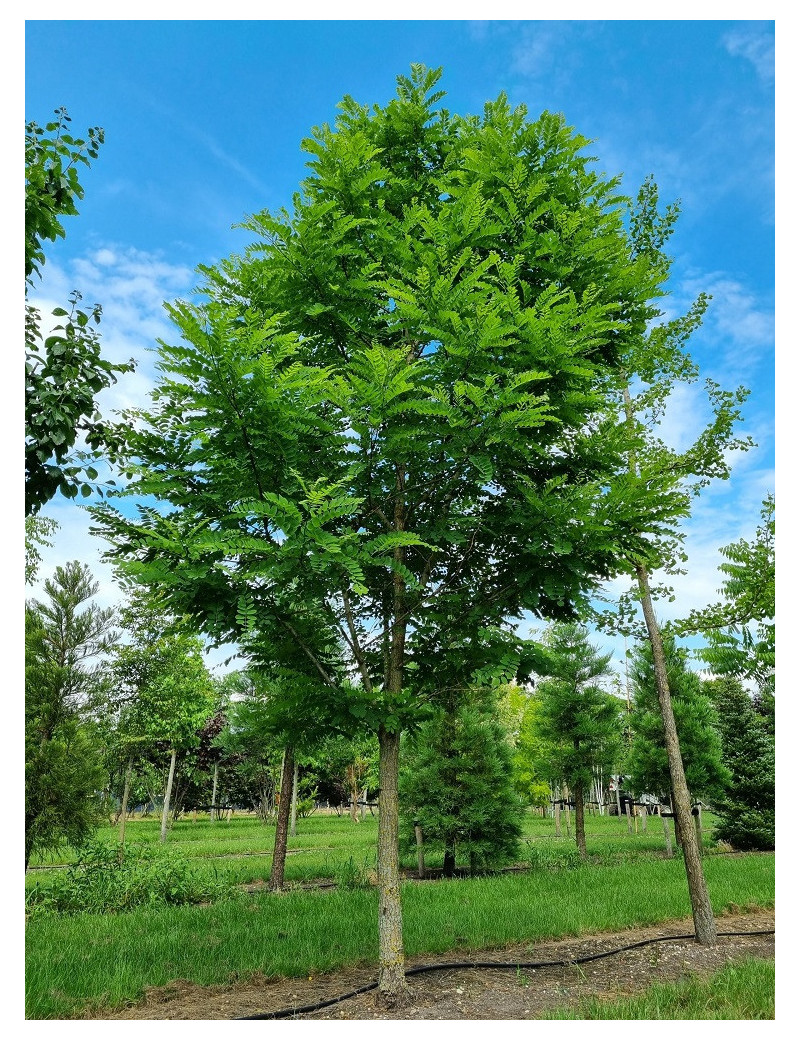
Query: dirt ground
point(471, 993)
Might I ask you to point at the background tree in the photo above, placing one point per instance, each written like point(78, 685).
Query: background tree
point(457, 782)
point(741, 629)
point(696, 722)
point(578, 717)
point(746, 810)
point(387, 404)
point(64, 369)
point(66, 640)
point(164, 687)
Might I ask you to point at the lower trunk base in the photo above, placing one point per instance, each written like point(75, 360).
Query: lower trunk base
point(394, 998)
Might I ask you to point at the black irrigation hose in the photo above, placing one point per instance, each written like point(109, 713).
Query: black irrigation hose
point(459, 965)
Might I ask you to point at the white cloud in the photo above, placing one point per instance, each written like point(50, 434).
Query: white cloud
point(755, 44)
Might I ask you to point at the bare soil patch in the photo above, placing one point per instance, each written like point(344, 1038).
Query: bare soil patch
point(471, 993)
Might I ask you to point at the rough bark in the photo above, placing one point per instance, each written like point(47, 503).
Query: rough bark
point(704, 923)
point(392, 988)
point(167, 796)
point(282, 825)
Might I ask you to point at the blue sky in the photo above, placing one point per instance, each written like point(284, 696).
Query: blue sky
point(203, 124)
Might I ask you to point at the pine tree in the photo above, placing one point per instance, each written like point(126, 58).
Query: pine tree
point(695, 719)
point(578, 717)
point(747, 808)
point(457, 783)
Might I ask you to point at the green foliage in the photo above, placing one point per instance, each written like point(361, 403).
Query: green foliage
point(695, 719)
point(65, 637)
point(38, 530)
point(64, 369)
point(747, 808)
point(579, 723)
point(652, 368)
point(385, 403)
point(456, 782)
point(108, 879)
point(741, 629)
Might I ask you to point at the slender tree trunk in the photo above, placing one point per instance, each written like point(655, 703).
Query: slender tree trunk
point(167, 796)
point(667, 836)
point(580, 828)
point(214, 792)
point(282, 825)
point(293, 815)
point(557, 815)
point(449, 867)
point(124, 808)
point(392, 988)
point(420, 850)
point(565, 796)
point(704, 925)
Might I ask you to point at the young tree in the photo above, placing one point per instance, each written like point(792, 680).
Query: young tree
point(579, 719)
point(746, 810)
point(457, 782)
point(651, 367)
point(64, 370)
point(377, 437)
point(695, 720)
point(66, 640)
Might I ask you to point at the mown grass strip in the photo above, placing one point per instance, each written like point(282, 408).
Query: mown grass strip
point(109, 960)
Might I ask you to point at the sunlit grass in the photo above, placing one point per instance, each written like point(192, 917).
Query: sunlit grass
point(739, 991)
point(110, 959)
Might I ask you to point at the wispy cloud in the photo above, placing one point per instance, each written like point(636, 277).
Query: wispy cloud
point(756, 44)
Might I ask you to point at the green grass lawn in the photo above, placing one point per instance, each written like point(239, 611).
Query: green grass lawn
point(326, 846)
point(108, 959)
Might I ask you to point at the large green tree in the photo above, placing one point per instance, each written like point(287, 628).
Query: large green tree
point(578, 718)
point(67, 638)
point(376, 438)
point(64, 368)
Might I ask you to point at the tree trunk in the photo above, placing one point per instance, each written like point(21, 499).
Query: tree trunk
point(557, 815)
point(580, 829)
point(124, 807)
point(214, 791)
point(392, 988)
point(565, 796)
point(704, 925)
point(167, 796)
point(282, 825)
point(293, 814)
point(449, 867)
